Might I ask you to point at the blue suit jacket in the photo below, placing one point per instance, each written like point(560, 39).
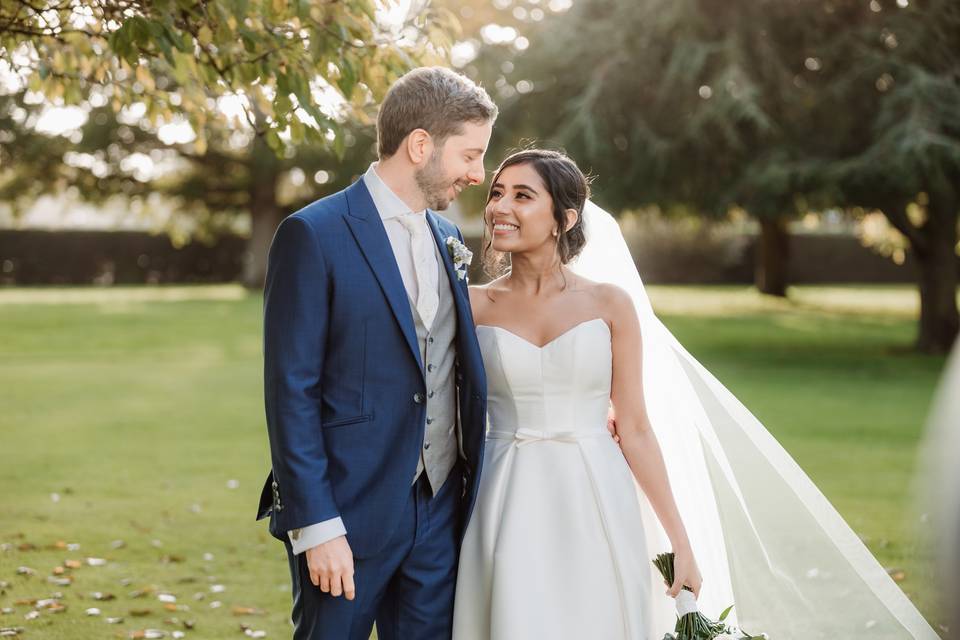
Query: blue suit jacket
point(343, 377)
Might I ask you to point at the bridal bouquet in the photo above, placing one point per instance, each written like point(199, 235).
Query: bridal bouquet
point(691, 624)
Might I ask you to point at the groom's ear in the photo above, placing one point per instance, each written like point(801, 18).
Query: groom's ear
point(419, 146)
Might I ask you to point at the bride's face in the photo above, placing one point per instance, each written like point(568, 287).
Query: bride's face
point(519, 214)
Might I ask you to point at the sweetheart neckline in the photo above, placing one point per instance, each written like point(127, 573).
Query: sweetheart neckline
point(549, 342)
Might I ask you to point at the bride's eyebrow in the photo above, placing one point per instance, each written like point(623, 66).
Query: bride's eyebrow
point(516, 187)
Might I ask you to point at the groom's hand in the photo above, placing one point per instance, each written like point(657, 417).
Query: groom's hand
point(331, 567)
point(612, 425)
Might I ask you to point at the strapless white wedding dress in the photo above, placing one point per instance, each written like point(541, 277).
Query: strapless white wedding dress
point(556, 544)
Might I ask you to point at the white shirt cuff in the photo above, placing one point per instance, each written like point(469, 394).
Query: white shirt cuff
point(309, 537)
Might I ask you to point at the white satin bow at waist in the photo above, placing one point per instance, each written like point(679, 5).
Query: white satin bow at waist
point(524, 436)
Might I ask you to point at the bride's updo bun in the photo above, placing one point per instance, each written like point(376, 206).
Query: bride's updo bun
point(568, 188)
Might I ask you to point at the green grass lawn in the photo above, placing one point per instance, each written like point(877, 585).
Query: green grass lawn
point(131, 424)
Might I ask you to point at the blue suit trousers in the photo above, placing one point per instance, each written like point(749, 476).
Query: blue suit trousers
point(406, 589)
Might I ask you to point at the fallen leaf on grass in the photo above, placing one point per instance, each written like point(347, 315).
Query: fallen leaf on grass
point(247, 611)
point(26, 546)
point(26, 571)
point(92, 611)
point(139, 613)
point(48, 603)
point(250, 633)
point(96, 562)
point(898, 575)
point(114, 620)
point(9, 632)
point(103, 597)
point(72, 564)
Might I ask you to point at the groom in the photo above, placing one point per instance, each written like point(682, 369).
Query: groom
point(374, 386)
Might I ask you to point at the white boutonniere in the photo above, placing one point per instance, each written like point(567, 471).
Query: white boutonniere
point(461, 255)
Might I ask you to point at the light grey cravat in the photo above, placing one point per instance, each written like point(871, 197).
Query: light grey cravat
point(424, 266)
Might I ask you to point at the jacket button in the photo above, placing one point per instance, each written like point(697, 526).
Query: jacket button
point(429, 367)
point(418, 398)
point(429, 420)
point(426, 445)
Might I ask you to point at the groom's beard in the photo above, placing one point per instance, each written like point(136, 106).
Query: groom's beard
point(434, 184)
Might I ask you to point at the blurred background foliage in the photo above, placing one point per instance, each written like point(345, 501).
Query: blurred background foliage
point(211, 117)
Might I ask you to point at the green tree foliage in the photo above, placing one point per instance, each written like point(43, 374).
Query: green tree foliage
point(263, 85)
point(668, 102)
point(889, 137)
point(767, 106)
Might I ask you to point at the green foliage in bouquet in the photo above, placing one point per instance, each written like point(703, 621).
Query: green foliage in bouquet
point(695, 625)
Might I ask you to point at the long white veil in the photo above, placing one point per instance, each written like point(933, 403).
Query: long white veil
point(763, 535)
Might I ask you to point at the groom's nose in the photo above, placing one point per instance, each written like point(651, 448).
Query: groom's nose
point(476, 175)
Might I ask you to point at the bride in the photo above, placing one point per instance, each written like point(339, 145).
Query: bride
point(560, 542)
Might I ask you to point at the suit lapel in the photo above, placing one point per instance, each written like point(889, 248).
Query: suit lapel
point(371, 237)
point(468, 347)
point(441, 240)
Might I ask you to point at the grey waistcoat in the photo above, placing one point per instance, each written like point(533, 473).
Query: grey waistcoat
point(440, 447)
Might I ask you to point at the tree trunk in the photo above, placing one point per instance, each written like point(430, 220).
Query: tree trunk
point(939, 319)
point(770, 274)
point(265, 218)
point(265, 213)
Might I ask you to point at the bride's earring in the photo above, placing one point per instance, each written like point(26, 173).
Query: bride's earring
point(556, 233)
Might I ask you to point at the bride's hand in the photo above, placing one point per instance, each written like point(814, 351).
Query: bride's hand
point(685, 572)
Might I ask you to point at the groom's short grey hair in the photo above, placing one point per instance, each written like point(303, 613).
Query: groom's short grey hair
point(434, 99)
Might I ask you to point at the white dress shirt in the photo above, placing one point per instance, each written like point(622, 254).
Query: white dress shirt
point(390, 207)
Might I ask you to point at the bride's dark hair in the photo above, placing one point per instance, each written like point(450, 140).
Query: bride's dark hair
point(568, 188)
